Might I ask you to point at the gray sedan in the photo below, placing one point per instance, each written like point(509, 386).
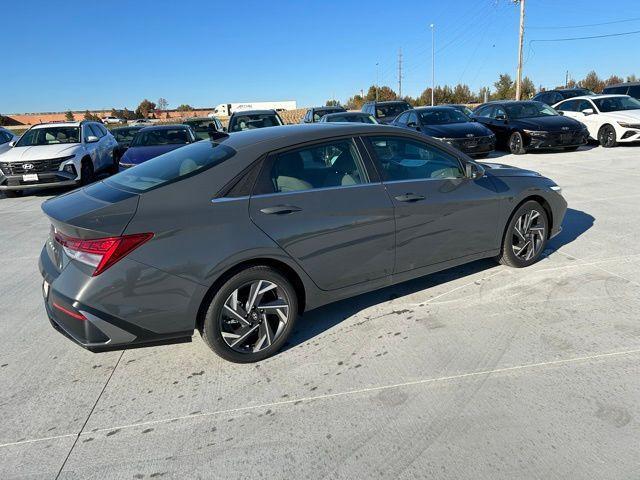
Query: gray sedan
point(239, 235)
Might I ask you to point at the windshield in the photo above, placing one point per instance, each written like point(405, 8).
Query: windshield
point(173, 166)
point(202, 127)
point(529, 110)
point(464, 109)
point(615, 104)
point(363, 118)
point(165, 136)
point(575, 93)
point(392, 110)
point(442, 116)
point(319, 113)
point(49, 136)
point(250, 122)
point(125, 135)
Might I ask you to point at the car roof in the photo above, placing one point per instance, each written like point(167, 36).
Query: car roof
point(388, 102)
point(436, 107)
point(164, 127)
point(597, 96)
point(507, 102)
point(624, 84)
point(342, 114)
point(255, 112)
point(59, 124)
point(193, 119)
point(288, 135)
point(128, 127)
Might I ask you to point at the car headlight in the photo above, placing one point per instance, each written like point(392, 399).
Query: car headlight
point(629, 125)
point(556, 188)
point(536, 133)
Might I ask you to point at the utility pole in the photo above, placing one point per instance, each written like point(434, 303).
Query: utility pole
point(400, 73)
point(520, 43)
point(377, 80)
point(566, 79)
point(433, 63)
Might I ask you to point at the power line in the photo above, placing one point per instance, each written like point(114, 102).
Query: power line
point(582, 38)
point(586, 25)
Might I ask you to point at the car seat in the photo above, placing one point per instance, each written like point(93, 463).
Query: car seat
point(289, 173)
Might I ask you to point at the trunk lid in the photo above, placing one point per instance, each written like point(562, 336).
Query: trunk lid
point(98, 210)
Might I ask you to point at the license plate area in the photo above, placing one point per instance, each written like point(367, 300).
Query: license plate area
point(565, 137)
point(30, 177)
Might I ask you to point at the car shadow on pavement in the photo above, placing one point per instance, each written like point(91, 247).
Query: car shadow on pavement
point(575, 223)
point(319, 320)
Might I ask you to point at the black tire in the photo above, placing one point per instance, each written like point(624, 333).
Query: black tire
point(537, 238)
point(115, 166)
point(215, 322)
point(571, 149)
point(607, 136)
point(12, 193)
point(86, 172)
point(516, 144)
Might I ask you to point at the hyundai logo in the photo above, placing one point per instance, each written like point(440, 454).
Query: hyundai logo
point(469, 135)
point(28, 166)
point(565, 128)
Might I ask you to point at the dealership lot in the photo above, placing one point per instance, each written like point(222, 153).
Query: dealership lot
point(477, 372)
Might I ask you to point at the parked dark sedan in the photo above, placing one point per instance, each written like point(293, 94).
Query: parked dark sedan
point(239, 236)
point(150, 142)
point(451, 126)
point(385, 112)
point(551, 97)
point(527, 125)
point(124, 137)
point(462, 108)
point(314, 114)
point(351, 117)
point(203, 127)
point(252, 119)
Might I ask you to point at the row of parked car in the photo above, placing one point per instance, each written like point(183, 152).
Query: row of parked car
point(72, 153)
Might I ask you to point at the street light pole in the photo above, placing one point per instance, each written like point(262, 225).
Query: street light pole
point(433, 63)
point(377, 80)
point(520, 42)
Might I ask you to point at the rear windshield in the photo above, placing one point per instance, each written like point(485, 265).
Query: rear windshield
point(391, 110)
point(616, 104)
point(362, 118)
point(148, 138)
point(173, 166)
point(575, 93)
point(124, 135)
point(253, 121)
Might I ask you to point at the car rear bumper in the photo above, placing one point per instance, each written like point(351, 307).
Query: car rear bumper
point(121, 311)
point(45, 180)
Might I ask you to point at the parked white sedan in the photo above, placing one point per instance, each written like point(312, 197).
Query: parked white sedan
point(610, 119)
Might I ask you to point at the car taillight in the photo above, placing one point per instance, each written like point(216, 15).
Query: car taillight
point(100, 253)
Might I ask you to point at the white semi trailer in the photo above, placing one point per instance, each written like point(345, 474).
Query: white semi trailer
point(226, 109)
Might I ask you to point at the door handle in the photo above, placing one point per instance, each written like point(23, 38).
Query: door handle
point(280, 210)
point(410, 197)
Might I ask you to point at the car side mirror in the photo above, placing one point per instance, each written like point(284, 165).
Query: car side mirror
point(474, 171)
point(92, 139)
point(588, 111)
point(501, 117)
point(412, 124)
point(12, 143)
point(560, 112)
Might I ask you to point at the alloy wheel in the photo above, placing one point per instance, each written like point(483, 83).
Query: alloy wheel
point(254, 316)
point(529, 233)
point(515, 143)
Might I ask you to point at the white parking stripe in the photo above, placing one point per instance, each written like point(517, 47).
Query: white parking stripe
point(360, 391)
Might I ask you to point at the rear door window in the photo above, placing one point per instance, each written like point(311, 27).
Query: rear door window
point(331, 164)
point(634, 91)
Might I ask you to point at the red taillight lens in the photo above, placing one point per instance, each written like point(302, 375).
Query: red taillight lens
point(71, 313)
point(101, 253)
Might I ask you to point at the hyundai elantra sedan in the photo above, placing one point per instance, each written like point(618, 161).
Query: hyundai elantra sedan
point(239, 235)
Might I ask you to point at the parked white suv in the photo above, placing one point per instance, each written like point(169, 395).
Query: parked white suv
point(56, 155)
point(610, 119)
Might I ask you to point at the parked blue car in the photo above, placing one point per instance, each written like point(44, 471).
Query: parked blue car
point(150, 142)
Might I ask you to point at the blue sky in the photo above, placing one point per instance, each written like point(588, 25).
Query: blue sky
point(114, 53)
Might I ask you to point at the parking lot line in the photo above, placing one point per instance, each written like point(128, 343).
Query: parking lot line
point(360, 391)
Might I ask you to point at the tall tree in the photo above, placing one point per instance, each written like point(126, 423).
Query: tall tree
point(505, 88)
point(632, 78)
point(385, 93)
point(593, 82)
point(528, 88)
point(145, 108)
point(613, 80)
point(332, 103)
point(162, 103)
point(185, 107)
point(462, 94)
point(355, 102)
point(69, 116)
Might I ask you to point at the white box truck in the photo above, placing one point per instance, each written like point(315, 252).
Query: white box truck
point(226, 109)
